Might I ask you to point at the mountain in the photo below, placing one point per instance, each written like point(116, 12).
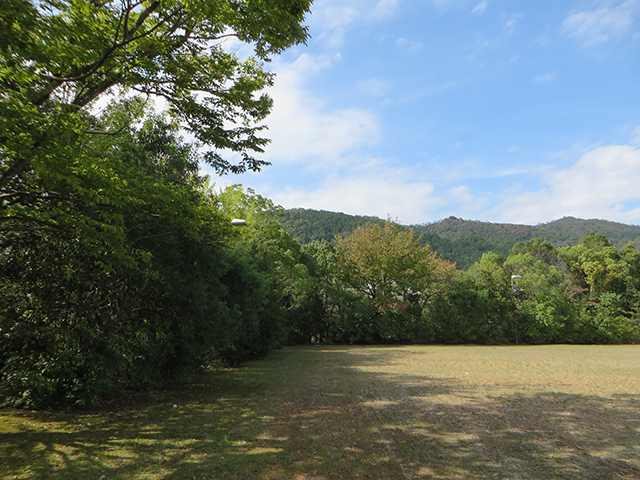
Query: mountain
point(563, 232)
point(309, 225)
point(461, 241)
point(618, 233)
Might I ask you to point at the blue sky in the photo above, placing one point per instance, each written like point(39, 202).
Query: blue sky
point(494, 110)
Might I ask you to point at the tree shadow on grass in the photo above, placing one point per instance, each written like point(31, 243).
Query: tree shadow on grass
point(452, 430)
point(445, 428)
point(326, 413)
point(544, 436)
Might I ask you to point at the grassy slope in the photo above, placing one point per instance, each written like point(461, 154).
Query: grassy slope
point(563, 412)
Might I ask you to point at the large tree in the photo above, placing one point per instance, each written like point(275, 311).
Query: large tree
point(388, 265)
point(81, 322)
point(61, 58)
point(394, 277)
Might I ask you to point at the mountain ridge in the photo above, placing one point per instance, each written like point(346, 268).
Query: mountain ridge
point(458, 240)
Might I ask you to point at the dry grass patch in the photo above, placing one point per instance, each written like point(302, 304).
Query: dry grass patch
point(558, 412)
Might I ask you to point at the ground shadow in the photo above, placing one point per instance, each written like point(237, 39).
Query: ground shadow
point(325, 413)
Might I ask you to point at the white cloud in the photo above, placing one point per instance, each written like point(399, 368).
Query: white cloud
point(596, 26)
point(410, 45)
point(509, 26)
point(545, 78)
point(302, 127)
point(461, 194)
point(384, 10)
point(480, 8)
point(331, 22)
point(601, 184)
point(335, 17)
point(380, 194)
point(330, 19)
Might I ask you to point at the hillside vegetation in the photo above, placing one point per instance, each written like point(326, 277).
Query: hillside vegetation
point(461, 241)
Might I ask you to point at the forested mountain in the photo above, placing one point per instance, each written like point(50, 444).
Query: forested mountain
point(619, 234)
point(563, 232)
point(462, 241)
point(309, 225)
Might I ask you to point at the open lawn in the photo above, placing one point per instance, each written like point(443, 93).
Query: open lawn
point(416, 412)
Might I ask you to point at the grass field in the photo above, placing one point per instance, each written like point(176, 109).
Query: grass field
point(548, 412)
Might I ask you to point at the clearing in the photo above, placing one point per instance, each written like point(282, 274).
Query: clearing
point(350, 412)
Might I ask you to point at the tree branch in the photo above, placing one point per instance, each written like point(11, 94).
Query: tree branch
point(91, 94)
point(41, 224)
point(15, 169)
point(85, 71)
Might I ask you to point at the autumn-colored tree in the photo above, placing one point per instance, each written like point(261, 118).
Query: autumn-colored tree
point(386, 266)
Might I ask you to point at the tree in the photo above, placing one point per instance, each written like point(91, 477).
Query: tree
point(387, 267)
point(80, 320)
point(318, 325)
point(493, 285)
point(238, 202)
point(114, 271)
point(280, 260)
point(547, 296)
point(460, 314)
point(595, 264)
point(58, 58)
point(609, 312)
point(586, 293)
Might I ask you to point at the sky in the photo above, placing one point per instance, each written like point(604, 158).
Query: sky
point(494, 110)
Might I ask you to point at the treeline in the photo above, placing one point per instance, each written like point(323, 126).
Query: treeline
point(141, 279)
point(563, 232)
point(379, 284)
point(84, 321)
point(462, 248)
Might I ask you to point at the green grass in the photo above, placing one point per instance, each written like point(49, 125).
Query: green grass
point(547, 412)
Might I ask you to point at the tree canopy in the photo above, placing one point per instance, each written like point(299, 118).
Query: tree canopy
point(62, 59)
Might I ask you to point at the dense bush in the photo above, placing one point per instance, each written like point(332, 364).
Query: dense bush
point(169, 288)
